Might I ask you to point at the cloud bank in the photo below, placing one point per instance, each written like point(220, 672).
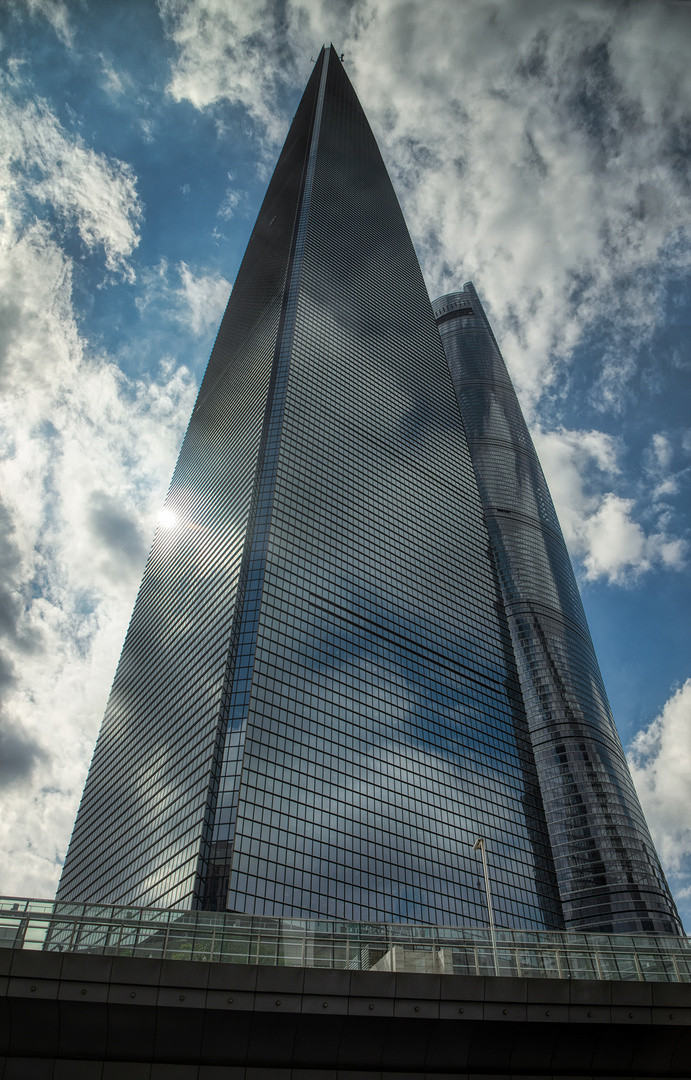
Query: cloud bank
point(600, 526)
point(660, 762)
point(85, 457)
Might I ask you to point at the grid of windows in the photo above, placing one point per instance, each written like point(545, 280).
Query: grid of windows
point(609, 874)
point(384, 727)
point(358, 649)
point(143, 831)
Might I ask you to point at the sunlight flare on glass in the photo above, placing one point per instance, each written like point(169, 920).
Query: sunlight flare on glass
point(168, 519)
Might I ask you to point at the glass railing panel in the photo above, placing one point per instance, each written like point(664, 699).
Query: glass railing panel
point(10, 933)
point(35, 934)
point(267, 951)
point(539, 963)
point(485, 960)
point(61, 935)
point(129, 936)
point(113, 940)
point(318, 953)
point(157, 917)
point(180, 946)
point(507, 962)
point(90, 937)
point(235, 949)
point(290, 953)
point(98, 911)
point(10, 906)
point(683, 966)
point(341, 953)
point(621, 968)
point(147, 948)
point(42, 907)
point(578, 966)
point(658, 969)
point(464, 961)
point(202, 947)
point(63, 910)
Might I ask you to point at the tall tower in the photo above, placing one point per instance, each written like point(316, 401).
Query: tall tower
point(317, 708)
point(607, 867)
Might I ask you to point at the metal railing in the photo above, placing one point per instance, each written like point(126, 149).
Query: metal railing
point(226, 937)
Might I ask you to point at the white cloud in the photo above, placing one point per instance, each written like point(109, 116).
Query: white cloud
point(600, 526)
point(205, 298)
point(617, 547)
point(55, 11)
point(85, 455)
point(195, 301)
point(553, 177)
point(233, 51)
point(115, 82)
point(662, 466)
point(88, 456)
point(662, 450)
point(660, 762)
point(231, 201)
point(41, 161)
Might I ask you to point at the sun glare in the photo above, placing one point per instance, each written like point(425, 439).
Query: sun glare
point(168, 519)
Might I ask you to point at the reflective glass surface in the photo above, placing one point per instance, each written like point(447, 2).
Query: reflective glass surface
point(317, 709)
point(379, 722)
point(609, 874)
point(143, 829)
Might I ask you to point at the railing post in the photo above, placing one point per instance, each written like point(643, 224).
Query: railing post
point(560, 969)
point(21, 933)
point(479, 845)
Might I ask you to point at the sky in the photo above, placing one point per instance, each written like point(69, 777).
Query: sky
point(540, 150)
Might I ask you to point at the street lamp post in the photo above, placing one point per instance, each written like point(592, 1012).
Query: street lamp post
point(479, 845)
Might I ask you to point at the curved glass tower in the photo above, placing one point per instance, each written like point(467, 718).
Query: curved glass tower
point(608, 871)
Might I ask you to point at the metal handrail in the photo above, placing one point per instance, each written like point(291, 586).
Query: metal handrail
point(233, 937)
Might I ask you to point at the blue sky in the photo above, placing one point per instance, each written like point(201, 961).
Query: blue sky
point(540, 150)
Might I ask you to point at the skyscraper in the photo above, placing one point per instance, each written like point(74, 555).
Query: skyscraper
point(318, 706)
point(606, 864)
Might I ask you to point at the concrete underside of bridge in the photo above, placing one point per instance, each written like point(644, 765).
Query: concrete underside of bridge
point(81, 1017)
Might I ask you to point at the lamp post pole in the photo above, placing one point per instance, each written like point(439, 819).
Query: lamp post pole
point(480, 845)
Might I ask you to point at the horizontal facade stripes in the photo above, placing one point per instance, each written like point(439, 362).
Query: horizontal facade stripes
point(609, 875)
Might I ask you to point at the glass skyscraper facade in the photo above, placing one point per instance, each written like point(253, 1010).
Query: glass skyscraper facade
point(318, 707)
point(607, 868)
